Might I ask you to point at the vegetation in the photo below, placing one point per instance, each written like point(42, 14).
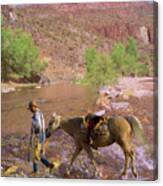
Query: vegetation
point(20, 56)
point(99, 68)
point(126, 59)
point(104, 68)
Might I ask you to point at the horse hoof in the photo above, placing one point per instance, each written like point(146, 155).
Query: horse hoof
point(68, 171)
point(98, 174)
point(135, 174)
point(123, 176)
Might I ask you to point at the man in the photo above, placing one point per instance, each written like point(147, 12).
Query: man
point(37, 138)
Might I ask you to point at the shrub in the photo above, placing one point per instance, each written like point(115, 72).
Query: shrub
point(126, 59)
point(104, 68)
point(99, 68)
point(20, 56)
point(118, 56)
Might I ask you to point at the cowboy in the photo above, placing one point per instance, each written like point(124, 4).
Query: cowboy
point(37, 137)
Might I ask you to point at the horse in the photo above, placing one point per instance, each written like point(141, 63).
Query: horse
point(116, 129)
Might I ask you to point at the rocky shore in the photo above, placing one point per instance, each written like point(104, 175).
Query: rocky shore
point(12, 86)
point(112, 98)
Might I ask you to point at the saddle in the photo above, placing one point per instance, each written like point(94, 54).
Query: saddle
point(97, 128)
point(93, 121)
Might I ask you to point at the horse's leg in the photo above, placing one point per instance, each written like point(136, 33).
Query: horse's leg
point(90, 154)
point(77, 151)
point(91, 157)
point(74, 156)
point(126, 149)
point(127, 160)
point(133, 167)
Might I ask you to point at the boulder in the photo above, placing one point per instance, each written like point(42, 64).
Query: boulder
point(119, 105)
point(144, 35)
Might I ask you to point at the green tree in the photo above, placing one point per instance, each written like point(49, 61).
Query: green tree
point(99, 68)
point(126, 59)
point(103, 68)
point(118, 56)
point(20, 56)
point(132, 48)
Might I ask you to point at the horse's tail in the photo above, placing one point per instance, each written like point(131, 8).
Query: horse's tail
point(137, 128)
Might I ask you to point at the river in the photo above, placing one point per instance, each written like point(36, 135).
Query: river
point(64, 98)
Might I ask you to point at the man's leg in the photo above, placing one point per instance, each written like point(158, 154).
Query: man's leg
point(35, 167)
point(46, 162)
point(43, 158)
point(35, 157)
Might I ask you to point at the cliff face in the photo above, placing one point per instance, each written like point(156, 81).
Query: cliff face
point(64, 31)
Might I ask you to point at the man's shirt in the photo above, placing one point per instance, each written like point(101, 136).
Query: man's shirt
point(38, 125)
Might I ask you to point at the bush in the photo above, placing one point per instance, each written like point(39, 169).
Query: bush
point(104, 68)
point(126, 59)
point(119, 56)
point(20, 56)
point(99, 68)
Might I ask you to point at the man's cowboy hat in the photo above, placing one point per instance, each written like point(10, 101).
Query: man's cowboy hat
point(32, 104)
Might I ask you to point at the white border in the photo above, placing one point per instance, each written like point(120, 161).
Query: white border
point(62, 182)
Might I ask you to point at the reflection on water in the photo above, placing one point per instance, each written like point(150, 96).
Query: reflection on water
point(65, 99)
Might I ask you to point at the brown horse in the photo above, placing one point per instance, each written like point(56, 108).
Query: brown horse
point(116, 129)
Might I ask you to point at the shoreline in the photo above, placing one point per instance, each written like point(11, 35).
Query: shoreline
point(10, 86)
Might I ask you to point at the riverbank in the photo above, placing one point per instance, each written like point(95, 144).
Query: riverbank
point(12, 86)
point(126, 88)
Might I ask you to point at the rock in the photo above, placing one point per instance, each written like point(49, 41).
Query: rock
point(125, 97)
point(6, 89)
point(127, 93)
point(10, 170)
point(136, 86)
point(104, 102)
point(111, 92)
point(141, 93)
point(38, 87)
point(44, 80)
point(120, 105)
point(144, 35)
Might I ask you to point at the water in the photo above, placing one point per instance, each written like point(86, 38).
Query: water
point(64, 98)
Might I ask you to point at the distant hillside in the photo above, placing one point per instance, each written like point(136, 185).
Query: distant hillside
point(64, 31)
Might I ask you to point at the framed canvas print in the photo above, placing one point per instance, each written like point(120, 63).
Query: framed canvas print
point(79, 90)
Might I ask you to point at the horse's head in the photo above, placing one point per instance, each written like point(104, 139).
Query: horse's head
point(54, 123)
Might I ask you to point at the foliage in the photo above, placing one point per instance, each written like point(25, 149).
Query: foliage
point(104, 68)
point(20, 56)
point(126, 59)
point(99, 68)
